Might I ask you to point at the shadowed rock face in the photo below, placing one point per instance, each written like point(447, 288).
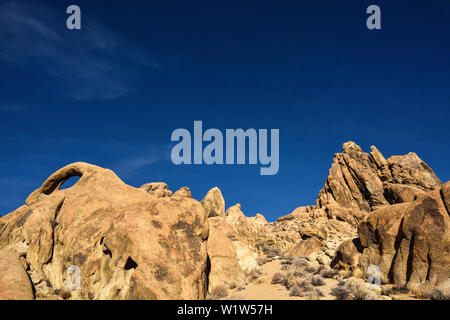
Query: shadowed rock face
point(127, 243)
point(409, 242)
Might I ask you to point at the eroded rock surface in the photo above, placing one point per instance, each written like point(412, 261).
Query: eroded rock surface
point(126, 242)
point(409, 242)
point(15, 283)
point(214, 203)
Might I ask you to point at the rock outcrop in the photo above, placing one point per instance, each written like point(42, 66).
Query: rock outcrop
point(359, 183)
point(15, 283)
point(125, 242)
point(409, 242)
point(118, 242)
point(157, 189)
point(225, 268)
point(214, 203)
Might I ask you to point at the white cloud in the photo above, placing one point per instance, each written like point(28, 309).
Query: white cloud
point(89, 64)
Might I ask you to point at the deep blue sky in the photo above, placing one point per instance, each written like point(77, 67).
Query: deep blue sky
point(112, 93)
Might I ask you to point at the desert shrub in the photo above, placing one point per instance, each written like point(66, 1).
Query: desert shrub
point(65, 293)
point(310, 269)
point(305, 285)
point(219, 292)
point(317, 281)
point(253, 274)
point(262, 261)
point(297, 291)
point(395, 290)
point(438, 294)
point(353, 289)
point(289, 280)
point(315, 294)
point(232, 285)
point(300, 262)
point(277, 278)
point(328, 273)
point(340, 293)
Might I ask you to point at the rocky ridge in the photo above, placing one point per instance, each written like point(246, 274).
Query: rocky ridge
point(151, 243)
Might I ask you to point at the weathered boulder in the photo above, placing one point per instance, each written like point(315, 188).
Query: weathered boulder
point(409, 242)
point(125, 242)
point(214, 203)
point(15, 283)
point(158, 189)
point(347, 255)
point(183, 192)
point(224, 262)
point(305, 247)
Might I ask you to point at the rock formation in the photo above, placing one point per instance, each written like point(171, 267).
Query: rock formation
point(360, 183)
point(214, 203)
point(15, 283)
point(122, 242)
point(127, 243)
point(409, 242)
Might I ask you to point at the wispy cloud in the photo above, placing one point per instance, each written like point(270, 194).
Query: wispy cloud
point(89, 64)
point(129, 166)
point(12, 108)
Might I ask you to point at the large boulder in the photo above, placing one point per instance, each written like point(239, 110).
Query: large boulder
point(214, 203)
point(126, 243)
point(225, 266)
point(15, 283)
point(409, 242)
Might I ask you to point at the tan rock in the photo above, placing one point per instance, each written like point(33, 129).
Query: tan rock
point(127, 244)
point(214, 203)
point(158, 189)
point(409, 242)
point(305, 248)
point(183, 192)
point(347, 255)
point(224, 263)
point(359, 183)
point(14, 281)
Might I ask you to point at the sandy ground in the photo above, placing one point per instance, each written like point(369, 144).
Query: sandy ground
point(263, 289)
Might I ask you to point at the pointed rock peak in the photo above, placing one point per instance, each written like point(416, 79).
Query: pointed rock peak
point(350, 147)
point(214, 203)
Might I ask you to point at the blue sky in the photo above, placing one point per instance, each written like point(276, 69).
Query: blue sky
point(112, 93)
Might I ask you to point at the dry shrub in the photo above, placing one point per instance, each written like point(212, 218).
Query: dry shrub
point(310, 269)
point(300, 262)
point(315, 294)
point(439, 294)
point(219, 292)
point(262, 261)
point(297, 291)
point(328, 273)
point(353, 289)
point(317, 281)
point(277, 278)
